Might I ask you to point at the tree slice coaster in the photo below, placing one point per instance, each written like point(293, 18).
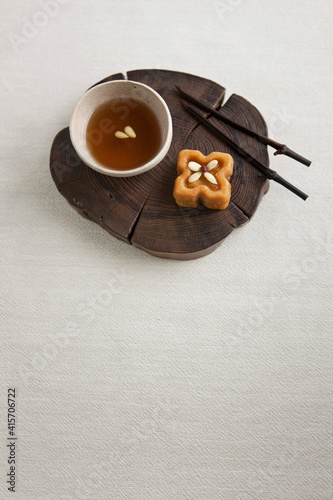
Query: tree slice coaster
point(141, 210)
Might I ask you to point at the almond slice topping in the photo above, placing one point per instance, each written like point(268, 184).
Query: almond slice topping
point(210, 177)
point(194, 166)
point(212, 164)
point(194, 177)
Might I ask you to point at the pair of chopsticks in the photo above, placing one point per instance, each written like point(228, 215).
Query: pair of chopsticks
point(280, 148)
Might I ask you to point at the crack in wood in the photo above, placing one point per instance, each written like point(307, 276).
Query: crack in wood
point(135, 223)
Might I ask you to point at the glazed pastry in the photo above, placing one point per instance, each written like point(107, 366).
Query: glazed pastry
point(203, 179)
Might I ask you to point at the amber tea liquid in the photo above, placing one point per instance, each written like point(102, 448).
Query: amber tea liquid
point(123, 154)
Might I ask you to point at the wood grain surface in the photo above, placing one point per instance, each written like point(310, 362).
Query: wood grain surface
point(141, 210)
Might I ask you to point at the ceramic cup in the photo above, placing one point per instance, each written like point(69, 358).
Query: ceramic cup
point(122, 89)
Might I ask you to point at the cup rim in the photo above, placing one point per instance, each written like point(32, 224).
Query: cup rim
point(135, 171)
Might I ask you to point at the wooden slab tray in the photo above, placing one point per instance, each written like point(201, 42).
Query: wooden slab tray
point(141, 210)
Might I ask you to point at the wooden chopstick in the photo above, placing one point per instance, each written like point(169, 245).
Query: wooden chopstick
point(269, 173)
point(280, 148)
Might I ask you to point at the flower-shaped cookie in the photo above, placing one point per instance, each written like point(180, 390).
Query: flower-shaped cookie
point(203, 179)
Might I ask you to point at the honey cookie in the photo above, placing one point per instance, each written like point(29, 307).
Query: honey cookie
point(203, 179)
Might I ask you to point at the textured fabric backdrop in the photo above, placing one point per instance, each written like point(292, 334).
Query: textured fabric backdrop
point(139, 378)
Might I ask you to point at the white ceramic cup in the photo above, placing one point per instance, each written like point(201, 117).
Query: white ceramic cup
point(119, 89)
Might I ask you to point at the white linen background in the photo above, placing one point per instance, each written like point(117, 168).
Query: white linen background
point(141, 378)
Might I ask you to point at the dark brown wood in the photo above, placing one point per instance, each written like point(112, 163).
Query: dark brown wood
point(141, 210)
point(281, 149)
